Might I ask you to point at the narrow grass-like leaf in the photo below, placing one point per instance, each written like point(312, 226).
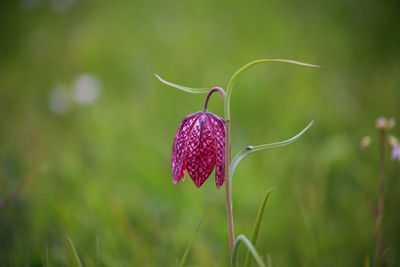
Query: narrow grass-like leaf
point(97, 251)
point(250, 149)
point(257, 224)
point(235, 251)
point(313, 242)
point(185, 88)
point(189, 246)
point(47, 256)
point(367, 261)
point(269, 260)
point(240, 71)
point(76, 256)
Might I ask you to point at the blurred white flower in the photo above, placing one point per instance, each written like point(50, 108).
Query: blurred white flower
point(60, 100)
point(87, 89)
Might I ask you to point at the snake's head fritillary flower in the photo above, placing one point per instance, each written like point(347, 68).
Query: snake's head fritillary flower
point(199, 145)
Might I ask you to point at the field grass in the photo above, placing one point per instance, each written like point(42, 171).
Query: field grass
point(98, 172)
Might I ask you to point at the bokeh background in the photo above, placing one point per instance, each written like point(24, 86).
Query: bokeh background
point(87, 130)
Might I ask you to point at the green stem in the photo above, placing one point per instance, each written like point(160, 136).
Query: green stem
point(228, 193)
point(379, 214)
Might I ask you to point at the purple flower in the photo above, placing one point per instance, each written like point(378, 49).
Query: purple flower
point(381, 123)
point(395, 148)
point(199, 145)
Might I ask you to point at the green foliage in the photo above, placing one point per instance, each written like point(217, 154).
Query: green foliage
point(250, 149)
point(257, 223)
point(250, 247)
point(108, 182)
point(75, 252)
point(184, 88)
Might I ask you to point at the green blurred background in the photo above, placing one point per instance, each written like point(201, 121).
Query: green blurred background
point(89, 129)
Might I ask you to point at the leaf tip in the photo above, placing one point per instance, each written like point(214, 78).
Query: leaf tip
point(307, 127)
point(157, 76)
point(273, 188)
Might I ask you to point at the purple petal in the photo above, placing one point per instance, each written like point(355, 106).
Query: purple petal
point(179, 147)
point(397, 153)
point(218, 125)
point(201, 150)
point(395, 150)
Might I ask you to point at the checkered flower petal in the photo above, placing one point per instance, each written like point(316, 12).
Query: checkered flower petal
point(199, 145)
point(218, 125)
point(179, 147)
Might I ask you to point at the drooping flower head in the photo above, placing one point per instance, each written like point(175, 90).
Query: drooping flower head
point(199, 145)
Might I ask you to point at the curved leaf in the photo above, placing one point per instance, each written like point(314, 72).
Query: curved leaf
point(239, 72)
point(184, 88)
point(257, 224)
point(250, 149)
point(243, 238)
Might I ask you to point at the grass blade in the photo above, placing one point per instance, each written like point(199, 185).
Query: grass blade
point(269, 260)
point(76, 256)
point(243, 238)
point(189, 246)
point(184, 88)
point(97, 251)
point(257, 224)
point(47, 256)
